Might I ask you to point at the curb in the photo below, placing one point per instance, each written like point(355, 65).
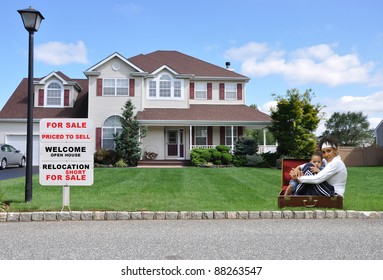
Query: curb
point(184, 215)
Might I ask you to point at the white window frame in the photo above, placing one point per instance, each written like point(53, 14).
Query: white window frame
point(155, 92)
point(60, 90)
point(230, 88)
point(116, 86)
point(228, 135)
point(115, 119)
point(200, 91)
point(198, 133)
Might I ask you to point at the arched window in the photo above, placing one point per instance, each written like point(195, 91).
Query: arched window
point(54, 94)
point(165, 86)
point(111, 127)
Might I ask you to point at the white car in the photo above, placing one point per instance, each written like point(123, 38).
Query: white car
point(10, 156)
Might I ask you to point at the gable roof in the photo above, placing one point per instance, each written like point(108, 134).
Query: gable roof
point(205, 114)
point(113, 55)
point(182, 64)
point(17, 104)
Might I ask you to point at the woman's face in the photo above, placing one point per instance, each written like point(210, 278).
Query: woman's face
point(329, 153)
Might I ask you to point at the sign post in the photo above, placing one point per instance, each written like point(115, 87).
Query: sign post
point(66, 154)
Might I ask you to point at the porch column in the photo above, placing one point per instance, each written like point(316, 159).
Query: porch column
point(232, 139)
point(190, 138)
point(264, 139)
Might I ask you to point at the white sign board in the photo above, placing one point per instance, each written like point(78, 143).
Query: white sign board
point(66, 152)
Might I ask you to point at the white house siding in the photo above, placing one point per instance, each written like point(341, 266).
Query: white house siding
point(155, 141)
point(215, 95)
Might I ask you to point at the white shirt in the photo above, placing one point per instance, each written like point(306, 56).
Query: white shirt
point(335, 173)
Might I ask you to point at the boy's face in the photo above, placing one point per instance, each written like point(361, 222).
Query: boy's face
point(317, 161)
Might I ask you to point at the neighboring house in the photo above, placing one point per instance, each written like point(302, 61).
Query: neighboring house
point(55, 96)
point(379, 135)
point(183, 101)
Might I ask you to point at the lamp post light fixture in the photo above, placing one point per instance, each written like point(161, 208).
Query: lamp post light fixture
point(32, 20)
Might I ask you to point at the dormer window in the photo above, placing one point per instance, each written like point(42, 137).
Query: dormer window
point(165, 87)
point(54, 96)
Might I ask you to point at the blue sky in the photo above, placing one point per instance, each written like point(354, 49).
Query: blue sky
point(332, 47)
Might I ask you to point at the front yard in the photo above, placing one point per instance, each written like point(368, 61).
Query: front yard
point(186, 189)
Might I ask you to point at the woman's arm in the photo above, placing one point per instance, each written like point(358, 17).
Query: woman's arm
point(329, 170)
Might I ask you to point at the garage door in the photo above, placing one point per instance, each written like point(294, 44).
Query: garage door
point(20, 143)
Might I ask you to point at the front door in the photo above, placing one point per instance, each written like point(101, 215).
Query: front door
point(172, 143)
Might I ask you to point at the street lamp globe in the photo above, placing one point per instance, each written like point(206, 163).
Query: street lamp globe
point(31, 19)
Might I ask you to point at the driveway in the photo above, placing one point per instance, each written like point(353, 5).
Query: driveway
point(15, 172)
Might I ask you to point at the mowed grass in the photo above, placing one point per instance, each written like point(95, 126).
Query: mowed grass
point(185, 189)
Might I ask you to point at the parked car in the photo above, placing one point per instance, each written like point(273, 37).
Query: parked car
point(10, 156)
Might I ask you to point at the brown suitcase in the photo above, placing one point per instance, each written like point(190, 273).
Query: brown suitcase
point(303, 200)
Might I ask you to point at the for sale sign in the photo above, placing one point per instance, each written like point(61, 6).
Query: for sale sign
point(66, 152)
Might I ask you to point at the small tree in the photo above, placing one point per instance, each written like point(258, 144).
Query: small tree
point(294, 121)
point(351, 129)
point(128, 141)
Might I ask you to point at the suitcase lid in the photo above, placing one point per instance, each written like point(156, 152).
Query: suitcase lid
point(287, 165)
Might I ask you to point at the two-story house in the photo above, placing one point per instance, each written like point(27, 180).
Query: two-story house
point(184, 102)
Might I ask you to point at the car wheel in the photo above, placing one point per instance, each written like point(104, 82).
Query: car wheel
point(22, 162)
point(3, 163)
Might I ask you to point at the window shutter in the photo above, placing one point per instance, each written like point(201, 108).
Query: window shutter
point(131, 87)
point(209, 91)
point(240, 131)
point(239, 91)
point(66, 97)
point(41, 97)
point(98, 137)
point(221, 91)
point(99, 87)
point(193, 140)
point(222, 135)
point(210, 135)
point(191, 90)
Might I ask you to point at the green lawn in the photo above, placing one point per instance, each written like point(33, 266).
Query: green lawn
point(186, 189)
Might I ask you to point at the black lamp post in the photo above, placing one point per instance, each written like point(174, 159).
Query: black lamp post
point(31, 19)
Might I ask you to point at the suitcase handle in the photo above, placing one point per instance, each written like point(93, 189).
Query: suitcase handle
point(310, 205)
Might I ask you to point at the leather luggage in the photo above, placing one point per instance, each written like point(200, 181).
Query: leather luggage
point(308, 201)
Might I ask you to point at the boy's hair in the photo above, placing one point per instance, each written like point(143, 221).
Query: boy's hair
point(317, 153)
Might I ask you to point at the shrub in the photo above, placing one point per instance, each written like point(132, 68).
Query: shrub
point(226, 158)
point(254, 160)
point(103, 156)
point(245, 146)
point(197, 158)
point(223, 149)
point(216, 157)
point(270, 159)
point(120, 163)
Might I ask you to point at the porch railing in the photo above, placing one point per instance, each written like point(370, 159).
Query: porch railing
point(261, 148)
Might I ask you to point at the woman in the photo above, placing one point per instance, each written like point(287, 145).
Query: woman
point(328, 182)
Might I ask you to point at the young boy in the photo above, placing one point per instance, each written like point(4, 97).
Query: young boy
point(315, 165)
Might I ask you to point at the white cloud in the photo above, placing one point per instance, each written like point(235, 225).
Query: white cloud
point(315, 64)
point(370, 105)
point(128, 9)
point(59, 53)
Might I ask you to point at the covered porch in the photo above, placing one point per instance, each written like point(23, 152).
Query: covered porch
point(173, 133)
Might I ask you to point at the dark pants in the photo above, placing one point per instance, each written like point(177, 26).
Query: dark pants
point(321, 189)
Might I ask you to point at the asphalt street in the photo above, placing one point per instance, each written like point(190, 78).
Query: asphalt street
point(15, 172)
point(297, 239)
